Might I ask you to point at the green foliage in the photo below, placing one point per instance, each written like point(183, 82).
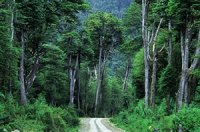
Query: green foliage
point(38, 117)
point(131, 30)
point(107, 27)
point(188, 118)
point(52, 76)
point(167, 83)
point(8, 52)
point(138, 63)
point(138, 73)
point(113, 96)
point(172, 8)
point(138, 118)
point(132, 18)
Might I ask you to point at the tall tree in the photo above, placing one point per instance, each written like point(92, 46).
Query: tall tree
point(145, 8)
point(105, 34)
point(36, 27)
point(186, 33)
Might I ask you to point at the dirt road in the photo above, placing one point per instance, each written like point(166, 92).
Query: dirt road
point(97, 125)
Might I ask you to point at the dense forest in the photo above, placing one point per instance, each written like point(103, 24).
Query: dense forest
point(134, 61)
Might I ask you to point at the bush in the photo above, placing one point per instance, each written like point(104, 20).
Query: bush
point(38, 117)
point(188, 118)
point(138, 118)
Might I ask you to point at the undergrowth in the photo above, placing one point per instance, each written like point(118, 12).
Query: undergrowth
point(139, 119)
point(37, 117)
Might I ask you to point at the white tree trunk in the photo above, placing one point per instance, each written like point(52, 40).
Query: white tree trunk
point(12, 6)
point(197, 53)
point(22, 84)
point(153, 82)
point(79, 80)
point(170, 43)
point(99, 81)
point(72, 75)
point(181, 89)
point(12, 21)
point(146, 49)
point(183, 85)
point(127, 70)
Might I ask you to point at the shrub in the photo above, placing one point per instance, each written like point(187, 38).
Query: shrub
point(138, 118)
point(38, 117)
point(188, 118)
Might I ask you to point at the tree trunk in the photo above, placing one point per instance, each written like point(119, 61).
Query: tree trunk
point(95, 72)
point(98, 81)
point(32, 75)
point(79, 79)
point(170, 42)
point(71, 81)
point(12, 6)
point(193, 65)
point(169, 60)
point(22, 84)
point(186, 62)
point(126, 75)
point(146, 49)
point(197, 53)
point(153, 83)
point(181, 89)
point(72, 74)
point(183, 85)
point(12, 21)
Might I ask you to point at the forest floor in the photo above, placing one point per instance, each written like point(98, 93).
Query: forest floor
point(98, 125)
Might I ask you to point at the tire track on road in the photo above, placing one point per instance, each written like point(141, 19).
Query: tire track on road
point(93, 127)
point(97, 125)
point(101, 126)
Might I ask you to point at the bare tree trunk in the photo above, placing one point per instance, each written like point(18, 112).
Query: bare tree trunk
point(72, 74)
point(197, 53)
point(193, 65)
point(153, 83)
point(22, 84)
point(11, 6)
point(183, 86)
point(146, 49)
point(95, 72)
point(186, 62)
point(32, 75)
point(98, 81)
point(71, 80)
point(169, 59)
point(170, 42)
point(126, 75)
point(12, 20)
point(79, 79)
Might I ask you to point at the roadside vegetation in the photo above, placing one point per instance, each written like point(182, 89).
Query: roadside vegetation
point(37, 117)
point(137, 61)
